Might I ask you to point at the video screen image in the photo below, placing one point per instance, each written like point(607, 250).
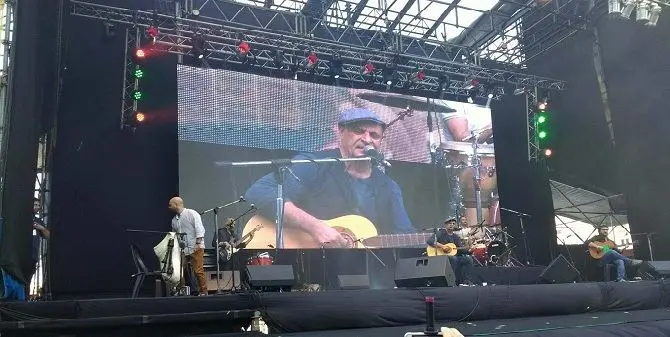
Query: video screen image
point(426, 177)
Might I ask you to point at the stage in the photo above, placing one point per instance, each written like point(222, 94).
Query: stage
point(578, 308)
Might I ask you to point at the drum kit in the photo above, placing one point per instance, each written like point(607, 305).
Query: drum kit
point(472, 173)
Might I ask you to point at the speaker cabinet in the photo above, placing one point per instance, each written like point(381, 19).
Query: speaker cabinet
point(351, 282)
point(654, 270)
point(227, 280)
point(560, 271)
point(273, 276)
point(433, 271)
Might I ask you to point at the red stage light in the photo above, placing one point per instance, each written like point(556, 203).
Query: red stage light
point(420, 75)
point(243, 48)
point(368, 68)
point(140, 53)
point(312, 59)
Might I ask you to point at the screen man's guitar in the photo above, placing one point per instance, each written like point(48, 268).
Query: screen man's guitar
point(607, 246)
point(358, 231)
point(450, 250)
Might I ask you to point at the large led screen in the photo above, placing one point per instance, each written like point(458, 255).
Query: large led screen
point(231, 117)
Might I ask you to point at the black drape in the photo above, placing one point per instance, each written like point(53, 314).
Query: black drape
point(33, 53)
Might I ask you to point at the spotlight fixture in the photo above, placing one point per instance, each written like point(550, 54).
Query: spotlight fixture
point(473, 84)
point(139, 117)
point(311, 61)
point(152, 33)
point(368, 68)
point(628, 9)
point(548, 152)
point(654, 14)
point(419, 75)
point(642, 14)
point(140, 53)
point(243, 48)
point(198, 45)
point(614, 7)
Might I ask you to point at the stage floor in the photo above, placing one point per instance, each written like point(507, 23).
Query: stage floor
point(478, 311)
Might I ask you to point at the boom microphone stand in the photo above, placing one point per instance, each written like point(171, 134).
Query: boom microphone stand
point(526, 249)
point(281, 166)
point(216, 234)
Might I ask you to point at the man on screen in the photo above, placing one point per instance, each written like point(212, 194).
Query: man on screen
point(314, 193)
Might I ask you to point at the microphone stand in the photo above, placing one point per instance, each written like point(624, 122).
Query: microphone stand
point(520, 215)
point(572, 261)
point(216, 234)
point(251, 208)
point(371, 252)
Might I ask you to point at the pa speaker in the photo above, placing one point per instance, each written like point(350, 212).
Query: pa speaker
point(270, 276)
point(654, 270)
point(350, 282)
point(560, 271)
point(424, 272)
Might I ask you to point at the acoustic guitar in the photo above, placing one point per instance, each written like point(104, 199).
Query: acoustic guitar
point(357, 231)
point(451, 251)
point(607, 245)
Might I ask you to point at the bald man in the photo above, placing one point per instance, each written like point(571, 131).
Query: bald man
point(189, 222)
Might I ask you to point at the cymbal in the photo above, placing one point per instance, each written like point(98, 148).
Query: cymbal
point(404, 102)
point(476, 133)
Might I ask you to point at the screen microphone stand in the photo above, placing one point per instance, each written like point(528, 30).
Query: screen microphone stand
point(281, 166)
point(216, 235)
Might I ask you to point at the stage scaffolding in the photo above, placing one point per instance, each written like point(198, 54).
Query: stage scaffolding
point(7, 10)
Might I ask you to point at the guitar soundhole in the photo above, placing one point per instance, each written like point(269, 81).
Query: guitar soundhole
point(348, 236)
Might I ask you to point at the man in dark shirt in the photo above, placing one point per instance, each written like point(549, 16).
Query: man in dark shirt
point(227, 239)
point(314, 193)
point(40, 231)
point(612, 255)
point(462, 261)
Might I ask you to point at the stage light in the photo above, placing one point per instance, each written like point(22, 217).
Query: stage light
point(542, 106)
point(548, 152)
point(614, 7)
point(542, 134)
point(140, 53)
point(139, 117)
point(541, 119)
point(628, 9)
point(198, 45)
point(642, 14)
point(138, 73)
point(152, 32)
point(311, 61)
point(473, 84)
point(654, 14)
point(137, 95)
point(368, 68)
point(243, 48)
point(419, 75)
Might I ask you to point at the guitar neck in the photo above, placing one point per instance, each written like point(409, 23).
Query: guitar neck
point(398, 240)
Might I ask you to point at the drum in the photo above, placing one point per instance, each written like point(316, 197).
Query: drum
point(459, 155)
point(479, 252)
point(260, 260)
point(495, 251)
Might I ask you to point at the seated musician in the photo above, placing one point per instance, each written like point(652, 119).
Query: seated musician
point(612, 255)
point(462, 261)
point(228, 239)
point(314, 193)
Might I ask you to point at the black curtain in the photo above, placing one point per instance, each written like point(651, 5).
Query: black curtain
point(636, 60)
point(523, 185)
point(32, 86)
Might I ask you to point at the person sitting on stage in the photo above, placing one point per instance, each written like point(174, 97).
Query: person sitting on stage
point(188, 222)
point(228, 240)
point(612, 255)
point(462, 261)
point(317, 192)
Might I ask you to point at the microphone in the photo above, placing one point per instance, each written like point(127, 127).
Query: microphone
point(376, 155)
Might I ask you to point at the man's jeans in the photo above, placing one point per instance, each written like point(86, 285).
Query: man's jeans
point(613, 257)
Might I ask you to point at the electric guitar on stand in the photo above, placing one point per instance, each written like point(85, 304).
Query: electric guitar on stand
point(358, 232)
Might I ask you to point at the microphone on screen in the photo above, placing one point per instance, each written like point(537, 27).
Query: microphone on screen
point(376, 155)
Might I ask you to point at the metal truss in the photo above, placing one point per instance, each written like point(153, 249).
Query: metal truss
point(531, 122)
point(222, 41)
point(130, 82)
point(7, 16)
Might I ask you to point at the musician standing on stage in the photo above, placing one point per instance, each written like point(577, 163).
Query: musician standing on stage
point(612, 255)
point(188, 221)
point(462, 261)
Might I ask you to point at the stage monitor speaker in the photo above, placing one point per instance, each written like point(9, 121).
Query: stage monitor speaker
point(279, 276)
point(226, 279)
point(654, 270)
point(560, 271)
point(351, 282)
point(424, 272)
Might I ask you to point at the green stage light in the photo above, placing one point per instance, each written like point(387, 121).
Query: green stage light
point(137, 95)
point(542, 134)
point(541, 119)
point(138, 73)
